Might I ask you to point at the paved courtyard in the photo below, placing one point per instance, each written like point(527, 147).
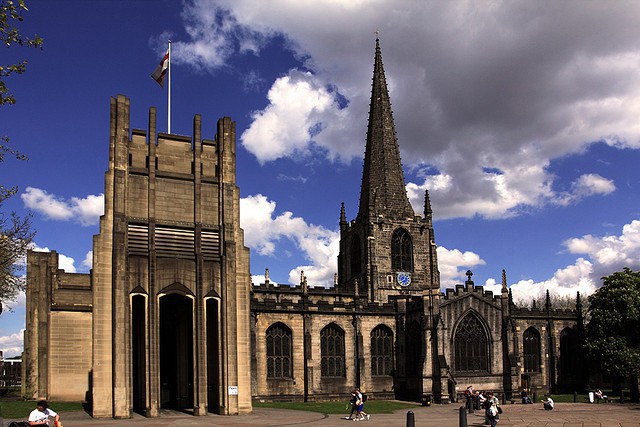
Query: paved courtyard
point(565, 415)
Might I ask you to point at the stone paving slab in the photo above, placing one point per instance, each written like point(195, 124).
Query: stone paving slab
point(564, 415)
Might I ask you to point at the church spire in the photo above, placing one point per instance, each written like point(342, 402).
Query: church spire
point(383, 188)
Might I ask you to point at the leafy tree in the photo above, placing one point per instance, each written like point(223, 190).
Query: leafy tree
point(613, 333)
point(15, 232)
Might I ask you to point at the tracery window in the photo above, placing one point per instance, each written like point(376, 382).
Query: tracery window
point(531, 346)
point(381, 351)
point(332, 351)
point(471, 345)
point(279, 352)
point(401, 251)
point(356, 256)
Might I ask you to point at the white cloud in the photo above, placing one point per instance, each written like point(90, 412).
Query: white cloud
point(566, 282)
point(11, 345)
point(586, 185)
point(301, 112)
point(453, 265)
point(546, 83)
point(263, 230)
point(88, 261)
point(65, 263)
point(609, 253)
point(85, 211)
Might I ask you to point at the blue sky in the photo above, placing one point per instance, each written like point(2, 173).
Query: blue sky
point(521, 118)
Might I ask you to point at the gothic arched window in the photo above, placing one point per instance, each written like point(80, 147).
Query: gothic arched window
point(279, 349)
point(401, 251)
point(531, 344)
point(356, 256)
point(332, 351)
point(471, 345)
point(381, 350)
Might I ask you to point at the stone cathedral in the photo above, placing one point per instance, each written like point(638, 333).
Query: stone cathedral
point(168, 317)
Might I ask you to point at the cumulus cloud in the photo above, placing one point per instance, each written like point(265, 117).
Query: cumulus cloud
point(566, 282)
point(11, 344)
point(453, 265)
point(65, 263)
point(585, 186)
point(487, 107)
point(86, 211)
point(88, 261)
point(609, 253)
point(263, 229)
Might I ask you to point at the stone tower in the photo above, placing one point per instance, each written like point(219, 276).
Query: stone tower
point(162, 321)
point(387, 250)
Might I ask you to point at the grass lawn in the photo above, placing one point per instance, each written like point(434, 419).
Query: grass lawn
point(371, 406)
point(20, 409)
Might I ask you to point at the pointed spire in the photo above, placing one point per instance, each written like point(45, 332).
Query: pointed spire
point(383, 186)
point(343, 216)
point(428, 213)
point(504, 281)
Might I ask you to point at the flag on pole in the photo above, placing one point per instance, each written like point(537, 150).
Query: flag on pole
point(161, 70)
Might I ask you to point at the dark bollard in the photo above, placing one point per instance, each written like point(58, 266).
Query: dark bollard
point(621, 396)
point(575, 397)
point(535, 396)
point(463, 417)
point(411, 421)
point(504, 398)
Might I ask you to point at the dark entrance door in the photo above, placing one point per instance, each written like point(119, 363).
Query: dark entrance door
point(138, 356)
point(176, 352)
point(213, 350)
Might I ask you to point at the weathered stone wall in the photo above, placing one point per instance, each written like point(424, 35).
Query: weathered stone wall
point(70, 354)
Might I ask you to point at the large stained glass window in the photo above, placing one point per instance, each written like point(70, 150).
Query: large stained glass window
point(531, 344)
point(279, 352)
point(471, 345)
point(381, 351)
point(332, 351)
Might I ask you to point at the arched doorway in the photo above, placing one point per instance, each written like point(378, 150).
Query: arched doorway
point(138, 352)
point(176, 352)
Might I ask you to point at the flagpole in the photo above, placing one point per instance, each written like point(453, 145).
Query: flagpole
point(169, 92)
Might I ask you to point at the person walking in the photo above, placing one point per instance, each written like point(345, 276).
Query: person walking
point(354, 407)
point(360, 415)
point(492, 409)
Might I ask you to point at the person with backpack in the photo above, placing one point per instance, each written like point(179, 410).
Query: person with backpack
point(354, 407)
point(360, 415)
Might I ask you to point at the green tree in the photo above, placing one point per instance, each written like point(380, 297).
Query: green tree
point(613, 333)
point(15, 232)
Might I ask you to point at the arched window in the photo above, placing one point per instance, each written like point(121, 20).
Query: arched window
point(471, 345)
point(356, 256)
point(401, 251)
point(381, 350)
point(332, 351)
point(531, 344)
point(279, 352)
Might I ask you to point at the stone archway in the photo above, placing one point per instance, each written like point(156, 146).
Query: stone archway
point(176, 352)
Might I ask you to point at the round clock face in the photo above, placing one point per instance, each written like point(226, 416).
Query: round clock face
point(404, 279)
